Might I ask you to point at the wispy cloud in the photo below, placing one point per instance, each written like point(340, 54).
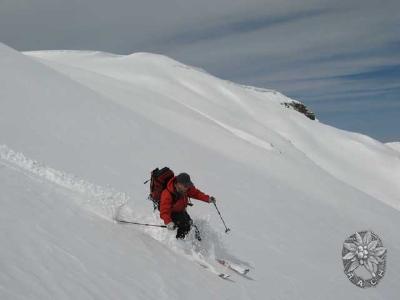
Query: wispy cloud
point(232, 27)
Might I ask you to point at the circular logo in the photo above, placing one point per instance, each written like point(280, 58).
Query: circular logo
point(364, 259)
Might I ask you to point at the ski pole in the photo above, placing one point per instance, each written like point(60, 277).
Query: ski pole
point(226, 228)
point(143, 224)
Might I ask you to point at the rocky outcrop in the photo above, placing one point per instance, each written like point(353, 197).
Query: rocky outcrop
point(300, 107)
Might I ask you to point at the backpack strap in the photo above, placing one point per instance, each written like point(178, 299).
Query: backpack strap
point(175, 196)
point(156, 205)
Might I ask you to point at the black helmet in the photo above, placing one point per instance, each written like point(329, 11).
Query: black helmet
point(184, 179)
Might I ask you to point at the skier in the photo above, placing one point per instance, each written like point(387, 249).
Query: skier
point(175, 199)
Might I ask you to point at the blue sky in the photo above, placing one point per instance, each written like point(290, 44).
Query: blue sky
point(341, 58)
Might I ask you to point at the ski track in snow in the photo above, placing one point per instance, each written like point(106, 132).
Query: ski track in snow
point(238, 132)
point(104, 201)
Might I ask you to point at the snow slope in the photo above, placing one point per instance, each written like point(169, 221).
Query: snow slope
point(147, 77)
point(394, 145)
point(52, 249)
point(80, 132)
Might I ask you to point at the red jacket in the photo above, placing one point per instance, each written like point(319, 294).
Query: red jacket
point(167, 205)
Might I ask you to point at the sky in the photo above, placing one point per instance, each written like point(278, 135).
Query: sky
point(341, 58)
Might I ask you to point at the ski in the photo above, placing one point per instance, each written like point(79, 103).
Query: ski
point(234, 267)
point(210, 268)
point(202, 261)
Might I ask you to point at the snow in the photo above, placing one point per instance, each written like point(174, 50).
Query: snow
point(79, 134)
point(223, 104)
point(394, 145)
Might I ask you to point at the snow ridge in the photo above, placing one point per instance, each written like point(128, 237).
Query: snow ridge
point(238, 132)
point(104, 201)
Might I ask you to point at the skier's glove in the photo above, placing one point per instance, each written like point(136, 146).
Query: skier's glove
point(212, 200)
point(171, 226)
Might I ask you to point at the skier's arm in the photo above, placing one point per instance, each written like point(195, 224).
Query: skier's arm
point(197, 194)
point(166, 207)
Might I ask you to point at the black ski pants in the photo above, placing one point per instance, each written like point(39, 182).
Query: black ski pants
point(184, 223)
